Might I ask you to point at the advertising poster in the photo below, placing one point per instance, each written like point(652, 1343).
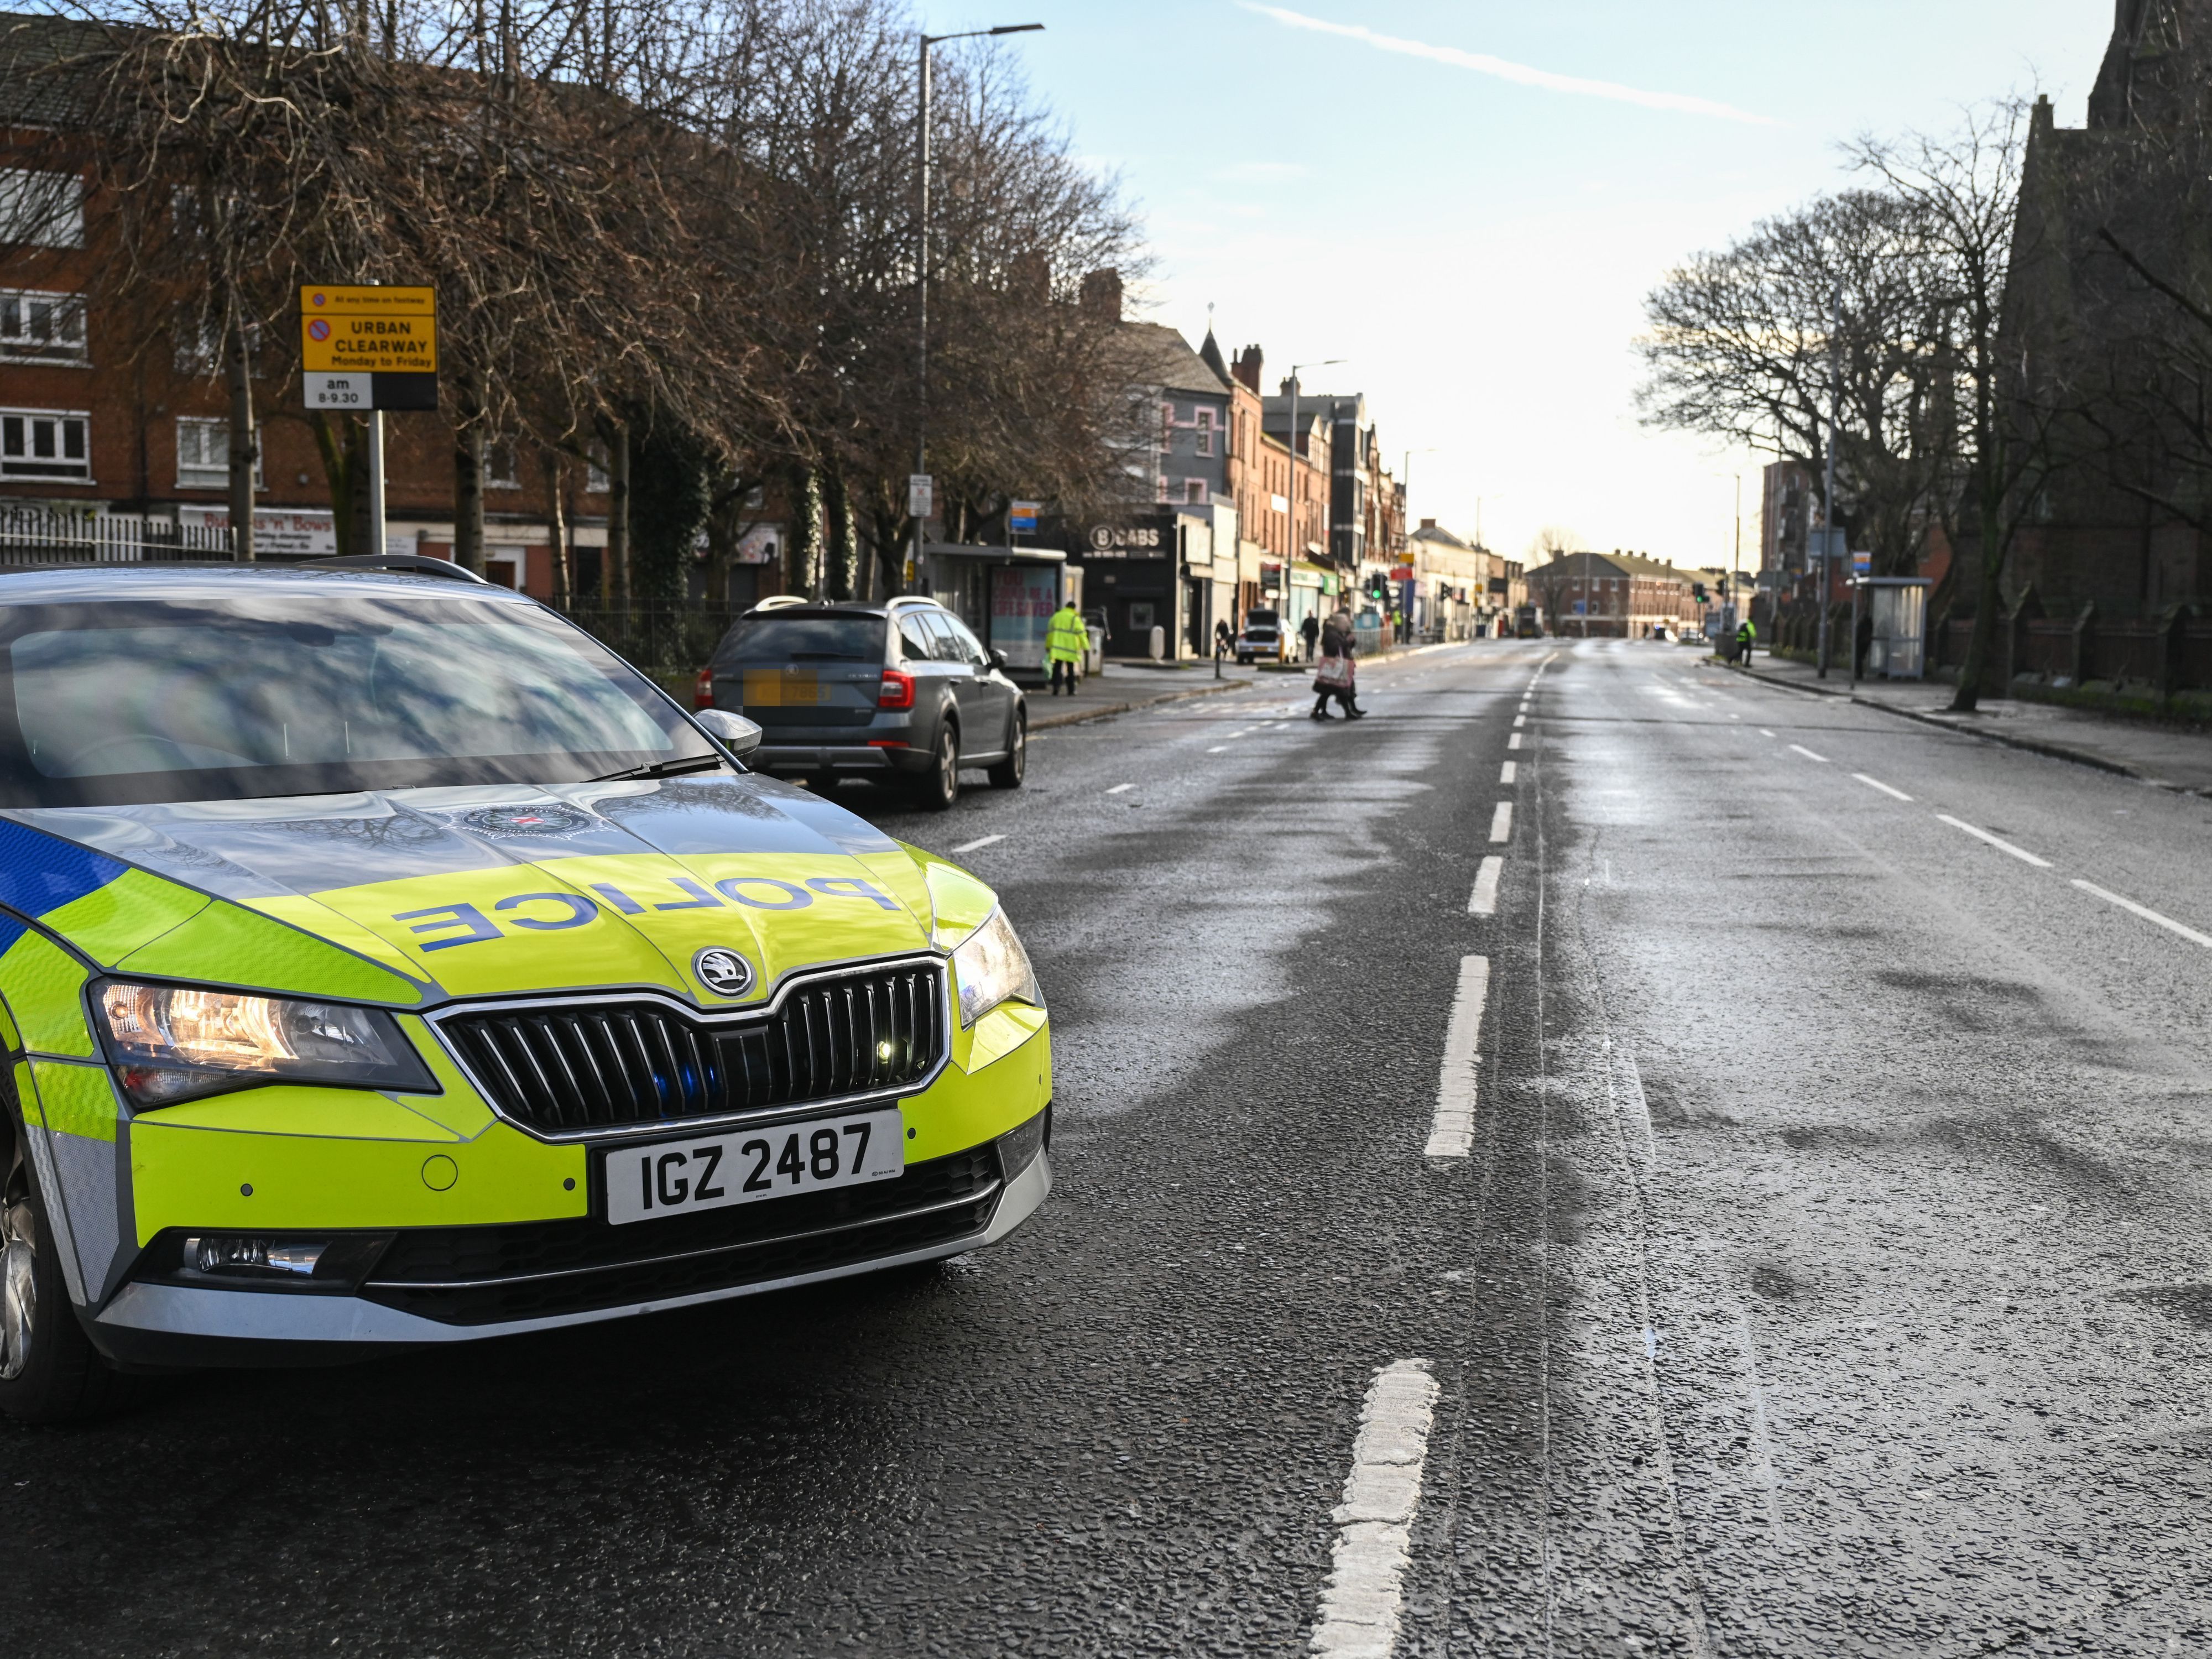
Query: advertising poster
point(1023, 600)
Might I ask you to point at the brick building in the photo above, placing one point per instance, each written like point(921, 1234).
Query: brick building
point(1614, 595)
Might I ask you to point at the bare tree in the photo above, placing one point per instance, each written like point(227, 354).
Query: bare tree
point(1962, 190)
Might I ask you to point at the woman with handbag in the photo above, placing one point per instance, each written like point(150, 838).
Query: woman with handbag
point(1334, 675)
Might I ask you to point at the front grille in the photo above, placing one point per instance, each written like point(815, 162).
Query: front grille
point(542, 1269)
point(618, 1065)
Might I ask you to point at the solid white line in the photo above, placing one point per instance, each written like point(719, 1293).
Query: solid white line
point(1484, 900)
point(1876, 783)
point(1501, 822)
point(1809, 754)
point(1453, 1131)
point(1511, 770)
point(1119, 787)
point(2147, 913)
point(2024, 856)
point(977, 846)
point(1359, 1605)
point(1514, 741)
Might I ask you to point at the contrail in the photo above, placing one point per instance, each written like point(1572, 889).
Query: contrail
point(1482, 63)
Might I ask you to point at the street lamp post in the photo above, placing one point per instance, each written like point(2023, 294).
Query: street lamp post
point(1406, 483)
point(922, 270)
point(1282, 599)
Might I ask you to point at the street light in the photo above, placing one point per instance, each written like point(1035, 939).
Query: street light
point(922, 270)
point(1295, 367)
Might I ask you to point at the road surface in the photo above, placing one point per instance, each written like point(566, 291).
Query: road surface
point(1762, 1213)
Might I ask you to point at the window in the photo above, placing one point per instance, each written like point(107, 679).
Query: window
point(203, 455)
point(44, 443)
point(596, 482)
point(1167, 427)
point(1160, 488)
point(41, 210)
point(1206, 432)
point(1194, 492)
point(499, 465)
point(951, 641)
point(914, 637)
point(116, 703)
point(41, 327)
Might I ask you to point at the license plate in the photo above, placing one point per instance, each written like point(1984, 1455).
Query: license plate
point(746, 1166)
point(787, 687)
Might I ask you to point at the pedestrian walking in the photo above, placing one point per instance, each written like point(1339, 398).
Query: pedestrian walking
point(1309, 631)
point(1065, 644)
point(1225, 642)
point(1746, 634)
point(1335, 676)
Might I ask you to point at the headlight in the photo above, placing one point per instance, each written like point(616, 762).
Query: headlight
point(168, 1044)
point(990, 968)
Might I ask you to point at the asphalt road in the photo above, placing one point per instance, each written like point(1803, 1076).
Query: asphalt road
point(1826, 1272)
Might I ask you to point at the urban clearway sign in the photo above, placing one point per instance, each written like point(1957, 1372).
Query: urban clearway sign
point(369, 347)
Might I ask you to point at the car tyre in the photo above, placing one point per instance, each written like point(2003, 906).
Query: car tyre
point(50, 1372)
point(938, 788)
point(1009, 773)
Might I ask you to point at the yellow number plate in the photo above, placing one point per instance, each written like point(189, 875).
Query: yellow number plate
point(781, 688)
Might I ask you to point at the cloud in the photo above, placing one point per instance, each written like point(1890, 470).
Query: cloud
point(1520, 73)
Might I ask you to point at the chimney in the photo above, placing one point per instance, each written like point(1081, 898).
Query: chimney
point(1428, 524)
point(1101, 294)
point(1247, 368)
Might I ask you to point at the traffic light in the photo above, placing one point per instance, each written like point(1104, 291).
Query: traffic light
point(1698, 591)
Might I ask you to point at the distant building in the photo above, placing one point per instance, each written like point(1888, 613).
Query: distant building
point(1786, 508)
point(2122, 524)
point(1614, 595)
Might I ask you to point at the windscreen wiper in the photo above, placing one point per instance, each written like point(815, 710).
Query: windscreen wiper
point(667, 768)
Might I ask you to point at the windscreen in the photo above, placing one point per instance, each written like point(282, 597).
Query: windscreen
point(311, 693)
point(782, 637)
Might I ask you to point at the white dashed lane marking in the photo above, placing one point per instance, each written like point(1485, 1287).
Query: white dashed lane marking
point(1452, 1132)
point(978, 846)
point(1801, 749)
point(1876, 783)
point(1764, 733)
point(2147, 913)
point(2002, 845)
point(1360, 1606)
point(1501, 822)
point(1509, 772)
point(1484, 900)
point(1513, 741)
point(1119, 787)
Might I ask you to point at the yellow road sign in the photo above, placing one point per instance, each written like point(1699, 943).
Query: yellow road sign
point(368, 330)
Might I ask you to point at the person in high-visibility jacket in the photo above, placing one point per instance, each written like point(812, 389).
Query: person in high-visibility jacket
point(1064, 646)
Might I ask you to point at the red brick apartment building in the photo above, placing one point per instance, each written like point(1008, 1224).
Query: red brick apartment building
point(113, 417)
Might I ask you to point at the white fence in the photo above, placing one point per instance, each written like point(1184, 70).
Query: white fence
point(37, 535)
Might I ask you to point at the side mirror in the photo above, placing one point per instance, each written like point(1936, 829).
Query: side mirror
point(997, 657)
point(733, 732)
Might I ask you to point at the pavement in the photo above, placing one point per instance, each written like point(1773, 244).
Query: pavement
point(1766, 1211)
point(2172, 757)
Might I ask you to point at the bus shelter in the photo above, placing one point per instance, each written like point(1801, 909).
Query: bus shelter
point(1006, 595)
point(1889, 617)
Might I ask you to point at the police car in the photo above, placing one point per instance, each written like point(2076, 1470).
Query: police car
point(383, 963)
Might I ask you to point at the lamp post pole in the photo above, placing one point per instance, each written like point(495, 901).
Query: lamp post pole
point(1282, 599)
point(922, 269)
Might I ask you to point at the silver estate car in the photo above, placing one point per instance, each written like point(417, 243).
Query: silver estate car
point(901, 692)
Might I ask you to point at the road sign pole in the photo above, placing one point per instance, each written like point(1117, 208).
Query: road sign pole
point(375, 483)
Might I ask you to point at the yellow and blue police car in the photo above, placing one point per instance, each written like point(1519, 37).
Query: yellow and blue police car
point(384, 963)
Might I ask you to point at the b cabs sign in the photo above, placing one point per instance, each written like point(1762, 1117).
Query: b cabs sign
point(369, 347)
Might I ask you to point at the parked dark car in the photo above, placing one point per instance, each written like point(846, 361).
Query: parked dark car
point(899, 692)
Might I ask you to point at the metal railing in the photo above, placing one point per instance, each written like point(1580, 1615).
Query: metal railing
point(659, 637)
point(60, 536)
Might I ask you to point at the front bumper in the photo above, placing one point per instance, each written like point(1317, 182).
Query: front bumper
point(174, 1325)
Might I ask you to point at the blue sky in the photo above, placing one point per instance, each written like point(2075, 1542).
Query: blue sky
point(1479, 245)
